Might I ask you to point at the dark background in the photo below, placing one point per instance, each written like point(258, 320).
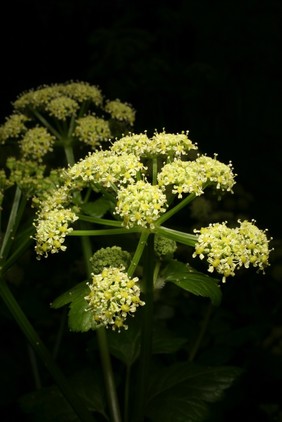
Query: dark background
point(210, 67)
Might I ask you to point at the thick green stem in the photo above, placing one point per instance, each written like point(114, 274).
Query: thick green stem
point(108, 375)
point(102, 232)
point(103, 347)
point(178, 236)
point(176, 209)
point(138, 252)
point(146, 334)
point(33, 338)
point(14, 218)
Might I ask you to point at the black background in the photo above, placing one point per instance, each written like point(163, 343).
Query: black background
point(210, 67)
point(213, 68)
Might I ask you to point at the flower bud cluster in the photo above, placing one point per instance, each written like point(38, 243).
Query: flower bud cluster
point(112, 256)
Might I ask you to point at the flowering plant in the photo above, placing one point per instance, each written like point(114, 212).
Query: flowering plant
point(128, 187)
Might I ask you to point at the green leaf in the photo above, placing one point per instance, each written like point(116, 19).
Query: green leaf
point(165, 341)
point(67, 297)
point(89, 386)
point(97, 208)
point(80, 319)
point(125, 345)
point(182, 392)
point(48, 404)
point(192, 281)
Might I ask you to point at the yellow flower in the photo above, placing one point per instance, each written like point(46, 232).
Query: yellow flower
point(113, 296)
point(229, 249)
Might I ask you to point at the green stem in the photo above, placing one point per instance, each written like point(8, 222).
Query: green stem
point(102, 232)
point(127, 392)
point(108, 375)
point(201, 334)
point(103, 347)
point(46, 124)
point(14, 219)
point(102, 221)
point(181, 237)
point(176, 209)
point(38, 346)
point(138, 252)
point(146, 334)
point(69, 154)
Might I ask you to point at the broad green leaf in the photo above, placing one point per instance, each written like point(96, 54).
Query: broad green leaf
point(75, 292)
point(89, 386)
point(192, 281)
point(165, 341)
point(182, 392)
point(79, 318)
point(97, 208)
point(125, 345)
point(47, 405)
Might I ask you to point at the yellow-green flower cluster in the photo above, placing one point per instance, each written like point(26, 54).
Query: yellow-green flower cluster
point(113, 296)
point(106, 168)
point(79, 92)
point(140, 204)
point(92, 130)
point(113, 256)
point(229, 249)
point(36, 143)
point(193, 176)
point(5, 183)
point(26, 174)
point(13, 127)
point(51, 230)
point(161, 144)
point(120, 111)
point(62, 107)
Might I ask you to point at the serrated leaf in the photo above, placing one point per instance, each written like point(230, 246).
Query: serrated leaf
point(79, 319)
point(182, 392)
point(80, 289)
point(97, 208)
point(193, 281)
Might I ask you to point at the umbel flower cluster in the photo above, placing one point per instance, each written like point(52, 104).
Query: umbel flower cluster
point(144, 180)
point(55, 116)
point(113, 296)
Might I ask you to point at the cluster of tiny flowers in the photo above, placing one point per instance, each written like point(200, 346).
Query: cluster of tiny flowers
point(229, 249)
point(36, 143)
point(92, 130)
point(5, 183)
point(113, 296)
point(140, 204)
point(113, 256)
point(26, 174)
point(51, 230)
point(62, 107)
point(161, 144)
point(13, 127)
point(79, 91)
point(106, 168)
point(120, 111)
point(193, 176)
